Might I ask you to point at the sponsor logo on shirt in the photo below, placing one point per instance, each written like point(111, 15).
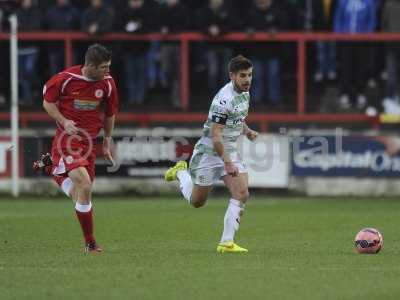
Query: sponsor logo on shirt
point(85, 104)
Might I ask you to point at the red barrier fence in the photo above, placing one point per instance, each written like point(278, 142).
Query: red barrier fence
point(263, 120)
point(184, 39)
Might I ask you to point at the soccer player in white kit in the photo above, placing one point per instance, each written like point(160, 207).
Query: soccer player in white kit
point(215, 155)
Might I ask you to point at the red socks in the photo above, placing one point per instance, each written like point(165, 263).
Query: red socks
point(85, 217)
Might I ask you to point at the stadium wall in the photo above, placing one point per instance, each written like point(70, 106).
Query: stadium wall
point(314, 163)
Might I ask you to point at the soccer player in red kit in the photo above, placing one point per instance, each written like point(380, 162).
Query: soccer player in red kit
point(82, 100)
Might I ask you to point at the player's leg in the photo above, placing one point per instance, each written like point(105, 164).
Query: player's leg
point(82, 193)
point(45, 165)
point(66, 185)
point(199, 195)
point(238, 188)
point(195, 194)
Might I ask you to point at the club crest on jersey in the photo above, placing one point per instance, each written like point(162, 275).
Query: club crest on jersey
point(99, 93)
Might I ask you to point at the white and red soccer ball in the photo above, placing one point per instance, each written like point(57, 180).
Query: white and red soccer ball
point(368, 240)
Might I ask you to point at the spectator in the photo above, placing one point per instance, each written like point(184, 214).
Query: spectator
point(391, 23)
point(60, 17)
point(154, 73)
point(97, 19)
point(137, 17)
point(266, 15)
point(354, 16)
point(6, 7)
point(317, 15)
point(29, 19)
point(214, 20)
point(173, 19)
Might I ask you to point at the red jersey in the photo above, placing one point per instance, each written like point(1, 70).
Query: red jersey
point(82, 100)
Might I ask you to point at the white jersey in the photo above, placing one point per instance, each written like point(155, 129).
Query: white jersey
point(228, 108)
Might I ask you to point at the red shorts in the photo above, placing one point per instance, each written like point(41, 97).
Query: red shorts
point(66, 160)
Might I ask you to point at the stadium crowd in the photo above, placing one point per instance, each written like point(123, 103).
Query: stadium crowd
point(344, 76)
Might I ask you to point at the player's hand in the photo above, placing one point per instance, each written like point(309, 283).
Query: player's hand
point(107, 150)
point(251, 134)
point(231, 169)
point(70, 127)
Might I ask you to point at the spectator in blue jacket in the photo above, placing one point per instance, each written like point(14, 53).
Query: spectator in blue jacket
point(354, 16)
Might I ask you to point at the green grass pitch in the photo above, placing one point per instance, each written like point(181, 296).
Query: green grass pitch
point(299, 248)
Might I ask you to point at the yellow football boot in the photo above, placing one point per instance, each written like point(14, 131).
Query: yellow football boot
point(230, 247)
point(170, 174)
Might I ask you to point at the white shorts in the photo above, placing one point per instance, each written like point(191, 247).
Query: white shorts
point(206, 169)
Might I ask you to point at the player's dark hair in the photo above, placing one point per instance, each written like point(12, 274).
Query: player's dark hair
point(239, 63)
point(97, 54)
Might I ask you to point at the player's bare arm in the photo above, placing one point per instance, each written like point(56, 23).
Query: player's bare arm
point(54, 112)
point(216, 136)
point(107, 141)
point(249, 133)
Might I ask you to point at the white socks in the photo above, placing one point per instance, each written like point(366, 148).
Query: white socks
point(84, 208)
point(185, 184)
point(232, 220)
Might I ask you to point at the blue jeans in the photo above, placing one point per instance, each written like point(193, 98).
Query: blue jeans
point(326, 57)
point(266, 80)
point(135, 77)
point(27, 58)
point(154, 72)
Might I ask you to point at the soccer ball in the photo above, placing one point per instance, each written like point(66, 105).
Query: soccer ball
point(368, 240)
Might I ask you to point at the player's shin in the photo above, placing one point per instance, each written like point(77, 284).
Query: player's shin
point(232, 220)
point(85, 217)
point(185, 184)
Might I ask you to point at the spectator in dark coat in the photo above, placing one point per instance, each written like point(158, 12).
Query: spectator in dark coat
point(317, 15)
point(174, 18)
point(29, 19)
point(266, 15)
point(136, 17)
point(391, 23)
point(214, 20)
point(6, 7)
point(61, 17)
point(97, 19)
point(354, 16)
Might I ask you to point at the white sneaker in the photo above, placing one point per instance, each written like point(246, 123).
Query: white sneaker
point(391, 107)
point(371, 83)
point(332, 75)
point(361, 101)
point(318, 76)
point(371, 111)
point(344, 102)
